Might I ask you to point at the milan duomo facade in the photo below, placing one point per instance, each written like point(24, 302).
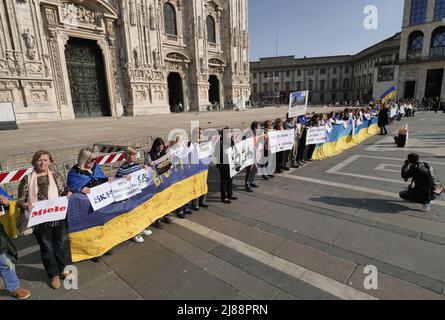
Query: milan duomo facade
point(88, 58)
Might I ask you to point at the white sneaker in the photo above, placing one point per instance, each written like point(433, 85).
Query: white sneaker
point(426, 207)
point(147, 232)
point(138, 239)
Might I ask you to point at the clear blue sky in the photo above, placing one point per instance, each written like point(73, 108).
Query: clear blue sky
point(318, 27)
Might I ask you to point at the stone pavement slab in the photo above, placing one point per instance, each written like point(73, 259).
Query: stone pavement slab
point(155, 272)
point(391, 288)
point(247, 284)
point(315, 260)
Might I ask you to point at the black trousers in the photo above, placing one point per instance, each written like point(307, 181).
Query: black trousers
point(52, 250)
point(226, 182)
point(280, 160)
point(310, 152)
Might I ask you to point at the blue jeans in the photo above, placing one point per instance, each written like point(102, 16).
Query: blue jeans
point(7, 273)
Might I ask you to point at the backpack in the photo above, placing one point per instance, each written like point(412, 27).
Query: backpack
point(436, 185)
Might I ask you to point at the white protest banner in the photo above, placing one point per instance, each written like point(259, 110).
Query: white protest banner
point(101, 196)
point(2, 211)
point(281, 140)
point(393, 113)
point(205, 150)
point(179, 151)
point(48, 211)
point(124, 189)
point(402, 109)
point(241, 156)
point(316, 135)
point(298, 103)
point(142, 178)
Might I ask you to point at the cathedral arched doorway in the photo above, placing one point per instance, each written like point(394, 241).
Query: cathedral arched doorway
point(175, 92)
point(214, 90)
point(86, 75)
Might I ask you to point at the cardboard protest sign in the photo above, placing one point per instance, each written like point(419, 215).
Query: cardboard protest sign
point(101, 196)
point(282, 140)
point(241, 156)
point(48, 211)
point(298, 103)
point(316, 135)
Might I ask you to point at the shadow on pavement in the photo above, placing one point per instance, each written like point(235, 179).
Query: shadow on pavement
point(373, 205)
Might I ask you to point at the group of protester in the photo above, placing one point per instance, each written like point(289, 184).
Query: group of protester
point(433, 104)
point(44, 184)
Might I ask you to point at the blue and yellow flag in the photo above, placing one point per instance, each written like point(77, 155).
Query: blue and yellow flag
point(388, 95)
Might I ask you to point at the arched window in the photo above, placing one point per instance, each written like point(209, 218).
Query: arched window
point(211, 29)
point(415, 45)
point(170, 19)
point(334, 84)
point(418, 12)
point(438, 43)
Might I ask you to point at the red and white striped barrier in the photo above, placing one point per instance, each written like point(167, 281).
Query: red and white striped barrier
point(110, 158)
point(109, 149)
point(14, 175)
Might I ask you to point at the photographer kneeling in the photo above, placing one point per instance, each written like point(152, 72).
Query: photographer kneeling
point(425, 186)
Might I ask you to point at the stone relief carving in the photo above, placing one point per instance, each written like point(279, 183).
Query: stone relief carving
point(9, 84)
point(58, 75)
point(30, 44)
point(6, 96)
point(50, 17)
point(10, 61)
point(3, 66)
point(18, 63)
point(74, 13)
point(36, 84)
point(173, 66)
point(34, 68)
point(39, 96)
point(46, 65)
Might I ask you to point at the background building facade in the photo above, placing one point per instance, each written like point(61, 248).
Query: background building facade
point(336, 78)
point(84, 58)
point(413, 61)
point(422, 50)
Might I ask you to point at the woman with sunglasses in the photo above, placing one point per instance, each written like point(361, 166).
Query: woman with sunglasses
point(86, 174)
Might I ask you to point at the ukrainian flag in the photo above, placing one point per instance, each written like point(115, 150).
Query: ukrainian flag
point(388, 95)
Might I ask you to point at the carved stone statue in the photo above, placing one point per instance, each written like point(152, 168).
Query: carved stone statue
point(137, 61)
point(152, 17)
point(156, 59)
point(30, 44)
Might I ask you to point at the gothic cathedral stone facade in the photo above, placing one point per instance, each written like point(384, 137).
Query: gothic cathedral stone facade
point(63, 60)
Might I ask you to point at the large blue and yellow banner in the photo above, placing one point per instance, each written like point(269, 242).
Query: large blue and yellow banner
point(341, 138)
point(92, 233)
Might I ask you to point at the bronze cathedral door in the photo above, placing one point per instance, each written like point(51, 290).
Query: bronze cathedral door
point(86, 75)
